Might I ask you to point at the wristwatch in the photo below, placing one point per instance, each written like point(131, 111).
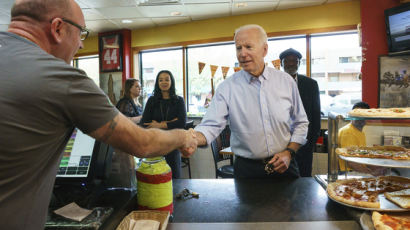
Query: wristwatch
point(292, 152)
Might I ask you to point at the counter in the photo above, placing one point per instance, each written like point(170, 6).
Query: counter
point(254, 204)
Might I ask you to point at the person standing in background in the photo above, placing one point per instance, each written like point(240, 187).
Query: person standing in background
point(129, 105)
point(309, 93)
point(166, 110)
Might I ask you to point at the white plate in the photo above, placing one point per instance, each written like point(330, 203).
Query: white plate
point(385, 205)
point(378, 162)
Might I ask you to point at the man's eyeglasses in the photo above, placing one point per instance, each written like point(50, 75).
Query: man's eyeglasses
point(83, 31)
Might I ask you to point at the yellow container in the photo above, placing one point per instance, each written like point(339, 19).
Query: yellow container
point(154, 185)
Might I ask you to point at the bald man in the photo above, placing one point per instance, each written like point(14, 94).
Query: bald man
point(42, 99)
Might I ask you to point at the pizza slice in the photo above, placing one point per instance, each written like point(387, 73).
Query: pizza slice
point(391, 221)
point(363, 192)
point(401, 198)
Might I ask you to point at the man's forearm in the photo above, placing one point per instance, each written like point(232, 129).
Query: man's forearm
point(123, 134)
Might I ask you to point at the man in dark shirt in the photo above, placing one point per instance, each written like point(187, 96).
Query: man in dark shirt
point(42, 99)
point(309, 93)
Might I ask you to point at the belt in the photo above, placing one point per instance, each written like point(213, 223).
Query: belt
point(263, 160)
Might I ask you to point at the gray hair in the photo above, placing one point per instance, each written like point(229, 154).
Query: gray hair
point(262, 33)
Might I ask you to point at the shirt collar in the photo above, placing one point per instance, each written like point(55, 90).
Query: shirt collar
point(250, 78)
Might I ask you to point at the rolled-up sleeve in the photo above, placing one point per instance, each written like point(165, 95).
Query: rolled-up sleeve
point(216, 116)
point(300, 121)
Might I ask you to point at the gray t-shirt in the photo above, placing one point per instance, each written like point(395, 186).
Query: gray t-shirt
point(41, 100)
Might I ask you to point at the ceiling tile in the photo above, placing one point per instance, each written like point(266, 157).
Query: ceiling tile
point(332, 1)
point(204, 1)
point(137, 23)
point(106, 3)
point(120, 12)
point(161, 11)
point(92, 14)
point(254, 7)
point(97, 26)
point(170, 20)
point(205, 11)
point(289, 4)
point(4, 27)
point(6, 4)
point(4, 19)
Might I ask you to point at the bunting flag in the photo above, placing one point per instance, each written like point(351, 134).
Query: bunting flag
point(225, 70)
point(201, 66)
point(213, 70)
point(276, 64)
point(236, 69)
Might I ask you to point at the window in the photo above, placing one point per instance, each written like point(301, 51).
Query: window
point(336, 64)
point(154, 61)
point(199, 85)
point(91, 67)
point(278, 45)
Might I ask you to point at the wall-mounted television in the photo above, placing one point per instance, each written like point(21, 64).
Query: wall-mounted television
point(398, 28)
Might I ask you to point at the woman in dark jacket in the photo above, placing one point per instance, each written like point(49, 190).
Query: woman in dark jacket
point(166, 110)
point(129, 105)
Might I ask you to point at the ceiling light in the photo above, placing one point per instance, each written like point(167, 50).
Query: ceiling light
point(241, 4)
point(126, 21)
point(176, 13)
point(141, 1)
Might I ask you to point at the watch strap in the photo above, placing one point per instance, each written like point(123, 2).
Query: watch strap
point(292, 152)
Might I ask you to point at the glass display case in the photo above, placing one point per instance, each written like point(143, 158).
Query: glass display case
point(378, 131)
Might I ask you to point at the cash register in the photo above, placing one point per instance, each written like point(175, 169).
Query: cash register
point(84, 167)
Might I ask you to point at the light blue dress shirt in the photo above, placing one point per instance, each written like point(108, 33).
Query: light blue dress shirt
point(265, 113)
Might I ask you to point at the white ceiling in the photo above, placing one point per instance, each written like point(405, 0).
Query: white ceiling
point(107, 15)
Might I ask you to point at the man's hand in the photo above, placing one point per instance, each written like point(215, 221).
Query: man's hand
point(281, 161)
point(191, 143)
point(155, 124)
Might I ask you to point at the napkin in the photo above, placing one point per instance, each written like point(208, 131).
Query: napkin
point(144, 225)
point(73, 211)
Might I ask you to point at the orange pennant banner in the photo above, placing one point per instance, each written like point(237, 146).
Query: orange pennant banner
point(225, 70)
point(213, 70)
point(236, 69)
point(201, 66)
point(276, 64)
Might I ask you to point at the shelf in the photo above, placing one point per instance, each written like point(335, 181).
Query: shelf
point(389, 163)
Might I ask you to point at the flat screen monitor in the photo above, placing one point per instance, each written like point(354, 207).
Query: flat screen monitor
point(398, 28)
point(84, 160)
point(77, 156)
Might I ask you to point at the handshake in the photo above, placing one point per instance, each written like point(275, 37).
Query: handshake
point(190, 142)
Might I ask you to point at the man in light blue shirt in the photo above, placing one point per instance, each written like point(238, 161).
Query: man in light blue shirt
point(263, 108)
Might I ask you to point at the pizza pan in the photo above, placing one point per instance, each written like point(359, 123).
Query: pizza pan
point(378, 162)
point(385, 205)
point(349, 117)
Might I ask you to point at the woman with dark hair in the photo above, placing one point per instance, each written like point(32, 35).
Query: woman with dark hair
point(129, 105)
point(166, 110)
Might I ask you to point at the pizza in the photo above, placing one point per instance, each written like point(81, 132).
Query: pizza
point(400, 221)
point(401, 198)
point(385, 152)
point(363, 192)
point(381, 112)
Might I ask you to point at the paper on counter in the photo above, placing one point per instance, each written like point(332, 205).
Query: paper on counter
point(144, 225)
point(73, 211)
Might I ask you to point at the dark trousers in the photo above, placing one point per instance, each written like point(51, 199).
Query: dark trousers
point(304, 158)
point(174, 161)
point(249, 168)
